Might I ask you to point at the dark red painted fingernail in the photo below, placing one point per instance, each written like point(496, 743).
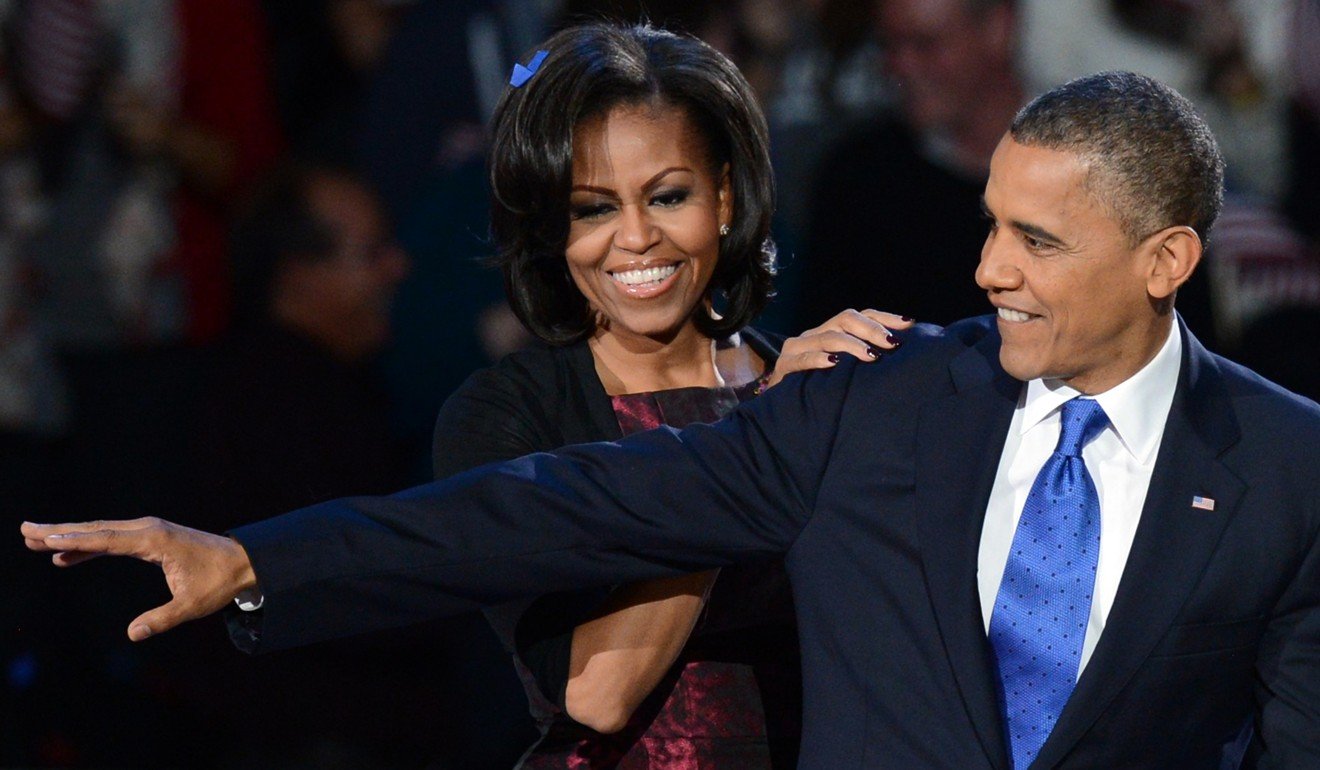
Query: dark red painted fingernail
point(872, 351)
point(833, 358)
point(904, 318)
point(892, 340)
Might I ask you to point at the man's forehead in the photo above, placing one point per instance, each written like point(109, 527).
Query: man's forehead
point(1060, 172)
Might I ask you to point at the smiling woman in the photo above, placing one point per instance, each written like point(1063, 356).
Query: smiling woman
point(632, 198)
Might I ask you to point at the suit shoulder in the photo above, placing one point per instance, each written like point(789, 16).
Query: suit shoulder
point(920, 366)
point(936, 345)
point(1265, 405)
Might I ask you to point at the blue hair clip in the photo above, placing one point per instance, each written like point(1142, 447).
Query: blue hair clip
point(522, 74)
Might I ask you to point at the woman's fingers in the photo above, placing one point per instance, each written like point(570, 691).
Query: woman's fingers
point(863, 334)
point(819, 351)
point(826, 342)
point(873, 326)
point(890, 320)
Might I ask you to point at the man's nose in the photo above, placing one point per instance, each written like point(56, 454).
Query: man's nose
point(637, 232)
point(997, 271)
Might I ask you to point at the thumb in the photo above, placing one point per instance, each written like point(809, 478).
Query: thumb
point(157, 621)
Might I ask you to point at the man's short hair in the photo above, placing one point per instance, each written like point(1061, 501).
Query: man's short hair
point(1151, 159)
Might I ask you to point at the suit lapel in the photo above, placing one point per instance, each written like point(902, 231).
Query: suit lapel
point(953, 481)
point(1173, 544)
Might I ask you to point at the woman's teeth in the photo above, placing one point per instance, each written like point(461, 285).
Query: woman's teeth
point(1014, 315)
point(648, 275)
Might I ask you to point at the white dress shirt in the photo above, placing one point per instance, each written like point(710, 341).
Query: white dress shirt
point(1120, 461)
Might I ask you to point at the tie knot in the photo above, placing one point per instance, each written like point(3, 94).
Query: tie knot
point(1082, 421)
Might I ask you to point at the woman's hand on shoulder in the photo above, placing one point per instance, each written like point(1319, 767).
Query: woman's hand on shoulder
point(863, 334)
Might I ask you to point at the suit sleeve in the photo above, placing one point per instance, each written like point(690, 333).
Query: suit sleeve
point(1288, 688)
point(652, 505)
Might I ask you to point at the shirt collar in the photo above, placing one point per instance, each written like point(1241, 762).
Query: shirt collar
point(1137, 407)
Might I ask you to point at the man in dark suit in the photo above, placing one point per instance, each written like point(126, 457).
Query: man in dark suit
point(1067, 536)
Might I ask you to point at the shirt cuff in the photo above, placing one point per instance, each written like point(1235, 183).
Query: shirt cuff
point(250, 600)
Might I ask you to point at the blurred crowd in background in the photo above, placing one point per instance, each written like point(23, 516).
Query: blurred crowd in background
point(241, 254)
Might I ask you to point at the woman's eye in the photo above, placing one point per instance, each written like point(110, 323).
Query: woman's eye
point(590, 211)
point(669, 198)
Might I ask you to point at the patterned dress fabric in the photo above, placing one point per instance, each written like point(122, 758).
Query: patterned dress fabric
point(730, 701)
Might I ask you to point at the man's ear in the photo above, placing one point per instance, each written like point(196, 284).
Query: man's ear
point(1176, 251)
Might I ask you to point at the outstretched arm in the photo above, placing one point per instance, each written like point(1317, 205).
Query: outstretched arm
point(653, 505)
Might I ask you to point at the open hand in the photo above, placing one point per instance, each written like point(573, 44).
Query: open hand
point(204, 572)
point(863, 334)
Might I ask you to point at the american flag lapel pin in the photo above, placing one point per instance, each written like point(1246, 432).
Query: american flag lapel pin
point(1204, 503)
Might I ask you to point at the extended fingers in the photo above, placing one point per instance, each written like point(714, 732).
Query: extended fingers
point(78, 542)
point(160, 620)
point(37, 531)
point(70, 558)
point(871, 326)
point(889, 320)
point(815, 349)
point(819, 351)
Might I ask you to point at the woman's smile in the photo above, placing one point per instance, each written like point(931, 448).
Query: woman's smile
point(645, 281)
point(646, 208)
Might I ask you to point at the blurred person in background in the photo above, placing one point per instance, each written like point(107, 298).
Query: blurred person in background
point(315, 270)
point(130, 126)
point(1302, 195)
point(1271, 270)
point(324, 55)
point(422, 145)
point(1250, 67)
point(1228, 56)
point(896, 212)
point(126, 129)
point(296, 412)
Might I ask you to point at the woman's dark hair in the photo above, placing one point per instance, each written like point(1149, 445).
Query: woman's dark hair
point(589, 70)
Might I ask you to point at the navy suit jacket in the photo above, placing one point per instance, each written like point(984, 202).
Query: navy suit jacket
point(873, 480)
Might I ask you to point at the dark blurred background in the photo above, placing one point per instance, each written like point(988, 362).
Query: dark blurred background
point(240, 250)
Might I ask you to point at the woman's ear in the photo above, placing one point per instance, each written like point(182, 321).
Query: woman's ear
point(1176, 253)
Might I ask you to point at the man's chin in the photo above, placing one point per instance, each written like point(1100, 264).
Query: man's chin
point(1016, 366)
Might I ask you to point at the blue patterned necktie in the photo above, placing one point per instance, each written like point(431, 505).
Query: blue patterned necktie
point(1039, 619)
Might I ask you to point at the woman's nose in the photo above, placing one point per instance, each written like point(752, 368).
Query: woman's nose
point(637, 232)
